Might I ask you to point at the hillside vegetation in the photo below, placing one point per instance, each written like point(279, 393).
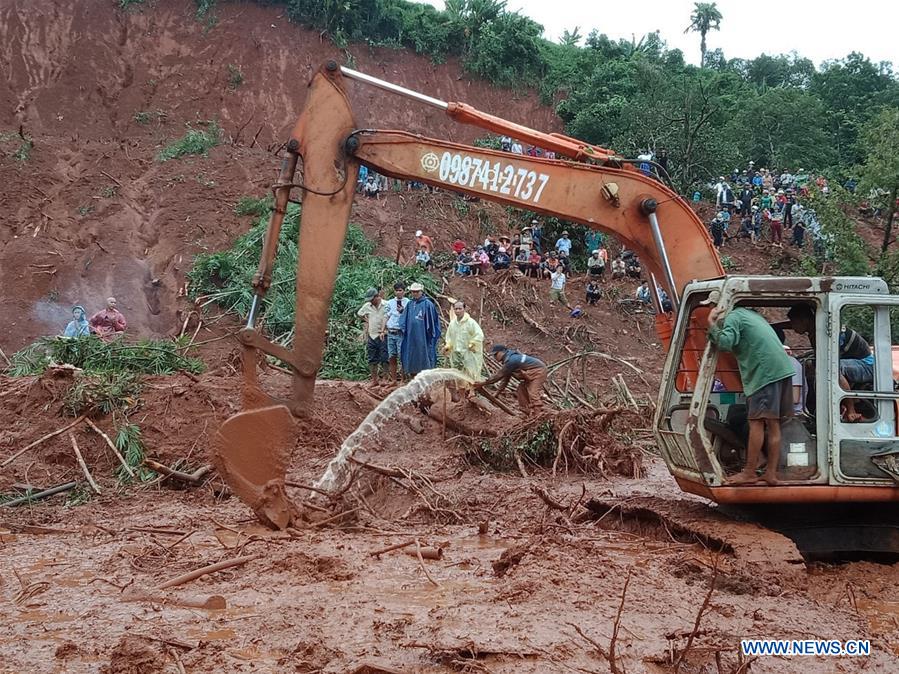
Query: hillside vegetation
point(779, 110)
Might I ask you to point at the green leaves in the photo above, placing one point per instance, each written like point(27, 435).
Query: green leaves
point(194, 142)
point(224, 278)
point(95, 356)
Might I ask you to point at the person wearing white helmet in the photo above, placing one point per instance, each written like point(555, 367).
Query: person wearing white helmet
point(423, 241)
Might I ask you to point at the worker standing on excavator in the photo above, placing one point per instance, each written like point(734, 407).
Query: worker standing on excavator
point(766, 373)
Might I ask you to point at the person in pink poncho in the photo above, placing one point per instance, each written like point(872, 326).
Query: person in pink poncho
point(109, 322)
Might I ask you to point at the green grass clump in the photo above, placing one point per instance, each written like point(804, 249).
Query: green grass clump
point(224, 278)
point(131, 447)
point(254, 206)
point(194, 142)
point(94, 356)
point(235, 76)
point(107, 392)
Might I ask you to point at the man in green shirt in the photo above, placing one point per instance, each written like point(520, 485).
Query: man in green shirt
point(766, 373)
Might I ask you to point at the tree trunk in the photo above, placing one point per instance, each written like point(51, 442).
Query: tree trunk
point(702, 48)
point(891, 214)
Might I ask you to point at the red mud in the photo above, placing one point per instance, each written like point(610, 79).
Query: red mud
point(318, 600)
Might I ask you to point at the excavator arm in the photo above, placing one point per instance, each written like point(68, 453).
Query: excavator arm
point(590, 185)
point(619, 201)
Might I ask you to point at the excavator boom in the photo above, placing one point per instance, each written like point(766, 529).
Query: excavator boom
point(593, 186)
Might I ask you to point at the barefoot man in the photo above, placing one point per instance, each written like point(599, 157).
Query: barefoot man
point(766, 373)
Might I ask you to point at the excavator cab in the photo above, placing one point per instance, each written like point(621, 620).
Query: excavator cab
point(827, 454)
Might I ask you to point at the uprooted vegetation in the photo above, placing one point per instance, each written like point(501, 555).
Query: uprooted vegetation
point(225, 278)
point(579, 440)
point(94, 356)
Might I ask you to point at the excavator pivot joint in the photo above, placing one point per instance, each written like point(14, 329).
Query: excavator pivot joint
point(351, 144)
point(293, 145)
point(331, 66)
point(649, 206)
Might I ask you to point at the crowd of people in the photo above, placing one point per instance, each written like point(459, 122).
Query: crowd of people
point(106, 324)
point(403, 335)
point(762, 205)
point(528, 252)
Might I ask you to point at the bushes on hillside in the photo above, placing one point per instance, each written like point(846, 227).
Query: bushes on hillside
point(225, 278)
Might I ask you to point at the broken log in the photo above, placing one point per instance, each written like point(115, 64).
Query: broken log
point(87, 473)
point(205, 570)
point(391, 548)
point(425, 552)
point(194, 478)
point(214, 602)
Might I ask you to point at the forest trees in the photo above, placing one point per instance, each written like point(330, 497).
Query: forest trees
point(880, 170)
point(778, 110)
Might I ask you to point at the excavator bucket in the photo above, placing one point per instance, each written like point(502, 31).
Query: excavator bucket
point(251, 451)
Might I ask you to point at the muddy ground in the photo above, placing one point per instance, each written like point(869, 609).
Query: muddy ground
point(520, 587)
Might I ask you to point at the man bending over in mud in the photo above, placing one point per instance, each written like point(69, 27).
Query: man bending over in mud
point(766, 373)
point(529, 371)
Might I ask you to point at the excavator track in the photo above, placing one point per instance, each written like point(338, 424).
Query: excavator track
point(753, 550)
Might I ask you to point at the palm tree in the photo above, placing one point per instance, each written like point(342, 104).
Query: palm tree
point(570, 38)
point(705, 17)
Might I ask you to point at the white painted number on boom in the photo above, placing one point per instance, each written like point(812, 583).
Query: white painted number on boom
point(506, 179)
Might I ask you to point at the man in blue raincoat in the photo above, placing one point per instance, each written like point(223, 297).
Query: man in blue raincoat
point(421, 330)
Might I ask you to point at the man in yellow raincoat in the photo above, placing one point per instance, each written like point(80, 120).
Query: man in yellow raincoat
point(465, 343)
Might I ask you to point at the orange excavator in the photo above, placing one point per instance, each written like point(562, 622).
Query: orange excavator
point(825, 459)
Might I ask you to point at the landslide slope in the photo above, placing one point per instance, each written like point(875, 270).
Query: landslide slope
point(88, 211)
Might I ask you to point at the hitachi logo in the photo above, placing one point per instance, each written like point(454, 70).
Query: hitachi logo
point(853, 286)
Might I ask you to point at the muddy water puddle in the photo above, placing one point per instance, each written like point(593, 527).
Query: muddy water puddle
point(43, 617)
point(462, 575)
point(225, 634)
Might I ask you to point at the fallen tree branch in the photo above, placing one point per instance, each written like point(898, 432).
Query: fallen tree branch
point(547, 499)
point(702, 610)
point(496, 401)
point(598, 354)
point(391, 548)
point(386, 472)
point(421, 563)
point(567, 425)
point(40, 440)
point(205, 570)
point(87, 473)
point(111, 446)
point(342, 513)
point(613, 664)
point(193, 478)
